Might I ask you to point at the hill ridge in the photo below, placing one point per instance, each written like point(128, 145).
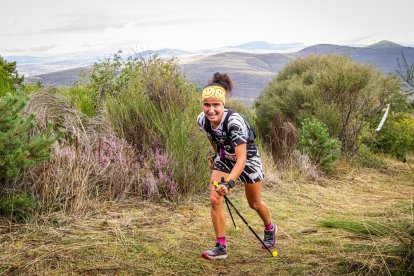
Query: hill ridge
point(252, 71)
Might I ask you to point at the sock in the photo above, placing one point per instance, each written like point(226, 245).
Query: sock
point(269, 226)
point(221, 240)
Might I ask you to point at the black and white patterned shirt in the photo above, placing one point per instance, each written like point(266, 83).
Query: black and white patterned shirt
point(237, 131)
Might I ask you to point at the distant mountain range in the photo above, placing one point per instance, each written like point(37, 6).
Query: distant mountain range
point(251, 65)
point(32, 65)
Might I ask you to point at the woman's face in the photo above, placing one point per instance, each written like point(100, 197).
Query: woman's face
point(214, 110)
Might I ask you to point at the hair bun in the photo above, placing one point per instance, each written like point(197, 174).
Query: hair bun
point(223, 80)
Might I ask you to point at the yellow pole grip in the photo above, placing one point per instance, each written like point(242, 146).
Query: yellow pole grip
point(215, 184)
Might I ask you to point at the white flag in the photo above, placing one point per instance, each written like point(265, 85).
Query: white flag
point(383, 118)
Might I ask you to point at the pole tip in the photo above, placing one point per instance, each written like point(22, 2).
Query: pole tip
point(274, 253)
point(237, 228)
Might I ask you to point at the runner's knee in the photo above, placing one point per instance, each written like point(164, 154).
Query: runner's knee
point(255, 205)
point(216, 201)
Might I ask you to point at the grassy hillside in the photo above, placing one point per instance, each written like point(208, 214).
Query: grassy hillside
point(126, 193)
point(317, 231)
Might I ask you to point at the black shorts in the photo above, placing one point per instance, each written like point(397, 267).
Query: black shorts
point(252, 172)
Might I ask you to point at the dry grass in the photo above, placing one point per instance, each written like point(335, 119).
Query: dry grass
point(89, 162)
point(142, 238)
point(283, 138)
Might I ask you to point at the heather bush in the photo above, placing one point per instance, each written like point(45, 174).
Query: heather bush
point(105, 169)
point(344, 95)
point(89, 161)
point(314, 141)
point(159, 179)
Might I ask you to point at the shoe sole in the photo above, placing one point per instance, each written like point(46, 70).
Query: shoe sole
point(218, 257)
point(269, 247)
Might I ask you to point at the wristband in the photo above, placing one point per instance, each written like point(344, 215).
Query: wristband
point(229, 183)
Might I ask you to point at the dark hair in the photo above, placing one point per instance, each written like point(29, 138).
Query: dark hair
point(223, 80)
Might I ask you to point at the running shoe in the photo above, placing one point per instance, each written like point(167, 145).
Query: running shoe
point(217, 252)
point(270, 237)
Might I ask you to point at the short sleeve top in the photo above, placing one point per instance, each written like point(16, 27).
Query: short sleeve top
point(237, 131)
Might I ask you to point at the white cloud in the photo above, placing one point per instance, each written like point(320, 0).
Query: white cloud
point(101, 26)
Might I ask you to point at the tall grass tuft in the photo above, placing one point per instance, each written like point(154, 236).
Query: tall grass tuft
point(82, 97)
point(392, 249)
point(187, 148)
point(282, 139)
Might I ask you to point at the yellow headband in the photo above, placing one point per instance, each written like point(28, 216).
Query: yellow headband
point(214, 92)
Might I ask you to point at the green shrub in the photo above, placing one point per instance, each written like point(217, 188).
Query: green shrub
point(103, 78)
point(82, 97)
point(10, 80)
point(395, 138)
point(17, 148)
point(241, 108)
point(314, 140)
point(344, 95)
point(156, 110)
point(17, 207)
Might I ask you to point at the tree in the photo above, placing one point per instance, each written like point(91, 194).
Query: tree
point(406, 71)
point(17, 148)
point(314, 141)
point(9, 78)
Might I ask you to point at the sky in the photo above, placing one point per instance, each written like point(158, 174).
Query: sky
point(81, 27)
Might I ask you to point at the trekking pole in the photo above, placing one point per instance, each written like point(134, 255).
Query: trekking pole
point(231, 215)
point(274, 253)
